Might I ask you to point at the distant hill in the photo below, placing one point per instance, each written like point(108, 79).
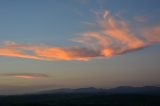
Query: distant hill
point(117, 90)
point(119, 96)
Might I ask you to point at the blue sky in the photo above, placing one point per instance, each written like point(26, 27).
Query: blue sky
point(34, 21)
point(54, 23)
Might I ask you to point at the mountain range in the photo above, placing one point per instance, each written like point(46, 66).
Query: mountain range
point(117, 90)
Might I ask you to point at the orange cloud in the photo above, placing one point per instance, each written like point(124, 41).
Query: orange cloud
point(113, 36)
point(26, 75)
point(40, 52)
point(152, 34)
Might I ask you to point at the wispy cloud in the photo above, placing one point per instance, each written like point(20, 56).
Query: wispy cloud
point(25, 75)
point(140, 18)
point(40, 52)
point(113, 36)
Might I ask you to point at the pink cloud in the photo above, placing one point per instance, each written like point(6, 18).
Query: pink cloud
point(26, 75)
point(113, 37)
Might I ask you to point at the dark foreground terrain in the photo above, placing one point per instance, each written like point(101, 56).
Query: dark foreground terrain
point(81, 99)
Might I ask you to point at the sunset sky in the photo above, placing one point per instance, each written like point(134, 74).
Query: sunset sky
point(47, 44)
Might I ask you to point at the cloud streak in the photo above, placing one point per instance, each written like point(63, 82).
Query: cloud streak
point(113, 37)
point(25, 75)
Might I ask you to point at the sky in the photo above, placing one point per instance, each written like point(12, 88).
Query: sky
point(51, 44)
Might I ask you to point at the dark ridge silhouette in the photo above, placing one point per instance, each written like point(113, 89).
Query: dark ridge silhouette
point(120, 96)
point(117, 90)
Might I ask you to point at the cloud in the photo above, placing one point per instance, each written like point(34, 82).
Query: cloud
point(41, 52)
point(140, 18)
point(25, 75)
point(152, 34)
point(114, 36)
